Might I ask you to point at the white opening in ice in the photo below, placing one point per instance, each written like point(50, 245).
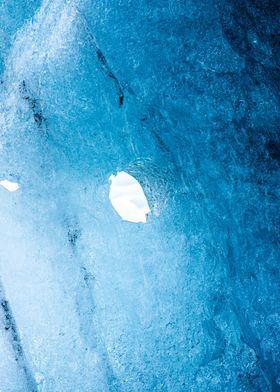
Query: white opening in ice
point(9, 185)
point(127, 198)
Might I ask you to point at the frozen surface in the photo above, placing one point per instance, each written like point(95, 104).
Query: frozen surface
point(184, 97)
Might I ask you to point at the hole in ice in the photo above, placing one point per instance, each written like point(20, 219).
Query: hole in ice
point(9, 185)
point(128, 198)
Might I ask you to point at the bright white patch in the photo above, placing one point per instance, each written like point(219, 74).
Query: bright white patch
point(9, 185)
point(39, 378)
point(127, 198)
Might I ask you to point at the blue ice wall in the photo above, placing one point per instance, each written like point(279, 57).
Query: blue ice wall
point(184, 96)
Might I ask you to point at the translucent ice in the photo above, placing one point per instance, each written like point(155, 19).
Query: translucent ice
point(183, 96)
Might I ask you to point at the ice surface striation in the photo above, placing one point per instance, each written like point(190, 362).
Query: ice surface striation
point(183, 97)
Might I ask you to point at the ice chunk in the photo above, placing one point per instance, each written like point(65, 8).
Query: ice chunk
point(128, 198)
point(9, 185)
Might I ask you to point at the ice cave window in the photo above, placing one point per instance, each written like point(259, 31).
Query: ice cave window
point(9, 185)
point(128, 198)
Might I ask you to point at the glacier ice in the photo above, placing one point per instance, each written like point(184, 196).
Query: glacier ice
point(183, 96)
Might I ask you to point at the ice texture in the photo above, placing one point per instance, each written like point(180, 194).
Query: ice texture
point(183, 95)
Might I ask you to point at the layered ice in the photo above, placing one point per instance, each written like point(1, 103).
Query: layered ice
point(182, 97)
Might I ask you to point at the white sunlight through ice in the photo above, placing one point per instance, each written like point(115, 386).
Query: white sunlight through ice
point(127, 198)
point(9, 185)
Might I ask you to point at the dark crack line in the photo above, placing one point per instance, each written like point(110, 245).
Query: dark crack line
point(15, 341)
point(103, 61)
point(34, 106)
point(86, 309)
